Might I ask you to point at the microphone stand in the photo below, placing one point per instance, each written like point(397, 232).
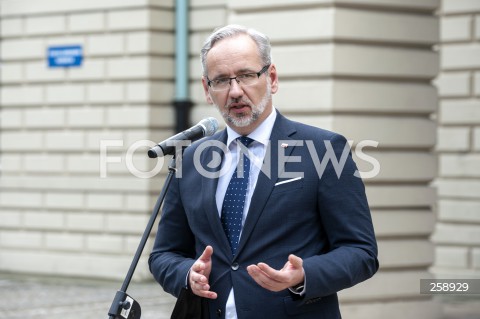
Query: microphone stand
point(124, 306)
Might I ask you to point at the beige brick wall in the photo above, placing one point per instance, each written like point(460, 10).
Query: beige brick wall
point(57, 215)
point(362, 68)
point(456, 234)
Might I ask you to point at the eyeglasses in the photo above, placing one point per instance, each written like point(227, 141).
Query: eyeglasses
point(246, 79)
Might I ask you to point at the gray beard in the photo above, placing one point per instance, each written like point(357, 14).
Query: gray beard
point(244, 120)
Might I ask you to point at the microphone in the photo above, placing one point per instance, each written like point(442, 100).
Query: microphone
point(205, 127)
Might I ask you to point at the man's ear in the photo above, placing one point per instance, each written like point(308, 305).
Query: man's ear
point(206, 91)
point(273, 78)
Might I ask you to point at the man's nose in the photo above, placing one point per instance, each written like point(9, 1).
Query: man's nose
point(235, 89)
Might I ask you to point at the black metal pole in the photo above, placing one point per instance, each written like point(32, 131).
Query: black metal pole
point(120, 300)
point(182, 114)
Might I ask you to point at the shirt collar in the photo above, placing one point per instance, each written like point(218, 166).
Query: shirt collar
point(261, 134)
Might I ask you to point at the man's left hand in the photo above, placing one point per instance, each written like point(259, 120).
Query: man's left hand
point(276, 280)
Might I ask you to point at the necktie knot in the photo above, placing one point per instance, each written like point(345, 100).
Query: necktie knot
point(245, 140)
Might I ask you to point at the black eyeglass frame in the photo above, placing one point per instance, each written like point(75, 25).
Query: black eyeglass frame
point(263, 70)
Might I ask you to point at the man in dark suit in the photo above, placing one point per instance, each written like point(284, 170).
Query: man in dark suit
point(278, 234)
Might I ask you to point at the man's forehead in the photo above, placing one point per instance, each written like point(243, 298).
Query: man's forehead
point(234, 52)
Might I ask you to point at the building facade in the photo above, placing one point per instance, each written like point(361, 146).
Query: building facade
point(75, 194)
point(457, 239)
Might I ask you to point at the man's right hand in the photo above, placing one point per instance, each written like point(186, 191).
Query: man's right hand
point(200, 273)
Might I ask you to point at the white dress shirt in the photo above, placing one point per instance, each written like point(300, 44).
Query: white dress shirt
point(261, 137)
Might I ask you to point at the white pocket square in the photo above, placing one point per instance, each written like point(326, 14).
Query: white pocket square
point(288, 181)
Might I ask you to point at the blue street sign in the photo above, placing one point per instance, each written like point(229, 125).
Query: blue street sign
point(65, 56)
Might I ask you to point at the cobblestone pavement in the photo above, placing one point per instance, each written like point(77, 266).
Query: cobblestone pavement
point(460, 307)
point(53, 298)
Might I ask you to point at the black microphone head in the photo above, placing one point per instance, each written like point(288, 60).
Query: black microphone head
point(210, 125)
point(206, 127)
point(151, 153)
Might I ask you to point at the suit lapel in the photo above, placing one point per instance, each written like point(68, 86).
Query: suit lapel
point(282, 130)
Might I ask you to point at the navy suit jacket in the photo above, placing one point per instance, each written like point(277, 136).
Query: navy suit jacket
point(323, 218)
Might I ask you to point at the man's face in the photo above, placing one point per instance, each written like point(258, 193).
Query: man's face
point(242, 107)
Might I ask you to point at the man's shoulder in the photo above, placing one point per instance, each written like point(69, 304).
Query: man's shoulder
point(311, 131)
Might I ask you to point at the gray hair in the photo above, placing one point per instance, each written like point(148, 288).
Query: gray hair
point(262, 41)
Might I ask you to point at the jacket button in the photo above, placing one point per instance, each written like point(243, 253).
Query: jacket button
point(219, 312)
point(235, 266)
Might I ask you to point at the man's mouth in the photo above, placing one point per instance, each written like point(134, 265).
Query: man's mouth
point(238, 107)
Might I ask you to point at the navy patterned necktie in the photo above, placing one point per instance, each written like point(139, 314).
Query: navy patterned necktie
point(234, 201)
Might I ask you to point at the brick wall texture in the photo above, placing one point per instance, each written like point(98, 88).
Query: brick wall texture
point(58, 214)
point(457, 244)
point(365, 68)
